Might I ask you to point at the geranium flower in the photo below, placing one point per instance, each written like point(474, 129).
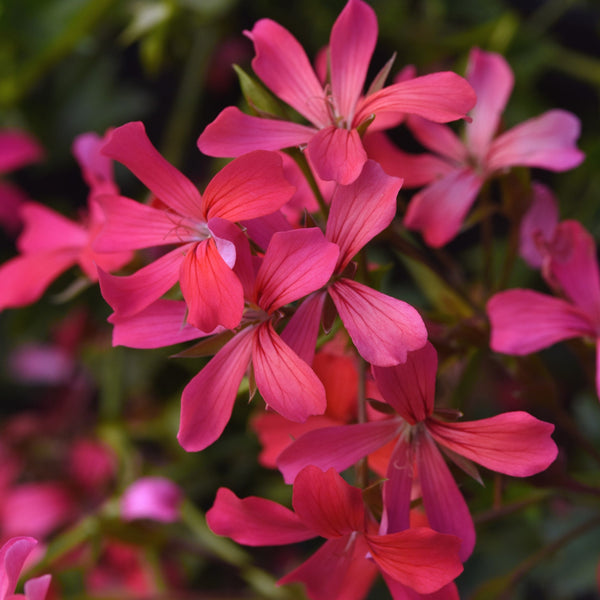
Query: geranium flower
point(513, 443)
point(456, 177)
point(525, 321)
point(200, 226)
point(338, 110)
point(345, 566)
point(50, 243)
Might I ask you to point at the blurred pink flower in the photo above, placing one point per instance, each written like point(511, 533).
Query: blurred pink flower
point(17, 149)
point(156, 498)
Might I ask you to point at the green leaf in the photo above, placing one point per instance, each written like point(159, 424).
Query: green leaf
point(260, 100)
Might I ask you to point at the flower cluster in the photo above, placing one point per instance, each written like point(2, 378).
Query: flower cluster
point(267, 270)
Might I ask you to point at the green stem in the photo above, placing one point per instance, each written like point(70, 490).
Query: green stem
point(301, 161)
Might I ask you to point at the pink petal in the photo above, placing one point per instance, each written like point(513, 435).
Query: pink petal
point(130, 294)
point(524, 321)
point(302, 330)
point(130, 225)
point(513, 443)
point(13, 554)
point(382, 328)
point(285, 381)
point(445, 506)
point(46, 230)
point(415, 169)
point(546, 142)
point(18, 149)
point(439, 139)
point(130, 145)
point(418, 558)
point(212, 291)
point(97, 170)
point(492, 79)
point(283, 66)
point(296, 263)
point(439, 97)
point(353, 38)
point(337, 447)
point(36, 509)
point(327, 504)
point(337, 154)
point(410, 387)
point(255, 521)
point(207, 400)
point(439, 210)
point(275, 433)
point(234, 133)
point(160, 324)
point(261, 230)
point(397, 489)
point(574, 267)
point(251, 186)
point(24, 279)
point(156, 498)
point(339, 569)
point(538, 225)
point(37, 588)
point(401, 592)
point(361, 210)
point(12, 199)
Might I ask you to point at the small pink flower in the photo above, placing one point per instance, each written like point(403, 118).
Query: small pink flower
point(345, 566)
point(156, 498)
point(337, 110)
point(457, 173)
point(525, 321)
point(513, 443)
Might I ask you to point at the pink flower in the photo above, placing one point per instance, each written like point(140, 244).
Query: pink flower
point(382, 328)
point(456, 176)
point(337, 111)
point(50, 243)
point(17, 149)
point(156, 498)
point(200, 226)
point(525, 321)
point(345, 566)
point(514, 443)
point(13, 555)
point(295, 264)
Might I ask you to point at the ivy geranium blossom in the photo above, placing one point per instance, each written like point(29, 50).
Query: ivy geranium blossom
point(460, 168)
point(525, 321)
point(513, 443)
point(346, 565)
point(200, 226)
point(338, 110)
point(50, 243)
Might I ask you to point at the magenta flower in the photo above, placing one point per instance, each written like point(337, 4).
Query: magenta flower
point(17, 149)
point(513, 443)
point(336, 111)
point(525, 321)
point(345, 566)
point(546, 142)
point(50, 243)
point(295, 264)
point(13, 555)
point(382, 328)
point(156, 498)
point(201, 227)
